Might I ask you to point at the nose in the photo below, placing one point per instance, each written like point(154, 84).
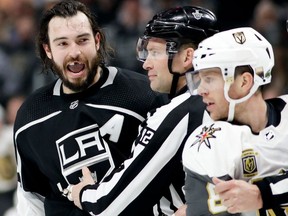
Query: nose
point(75, 51)
point(202, 90)
point(147, 65)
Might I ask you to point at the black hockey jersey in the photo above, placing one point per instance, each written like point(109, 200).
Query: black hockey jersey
point(57, 134)
point(274, 191)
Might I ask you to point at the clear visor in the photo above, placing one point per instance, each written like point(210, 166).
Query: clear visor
point(193, 81)
point(141, 48)
point(155, 48)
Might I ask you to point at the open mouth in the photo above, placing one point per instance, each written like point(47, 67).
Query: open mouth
point(76, 67)
point(209, 105)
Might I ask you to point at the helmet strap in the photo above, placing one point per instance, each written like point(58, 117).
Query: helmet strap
point(174, 79)
point(173, 85)
point(231, 111)
point(233, 102)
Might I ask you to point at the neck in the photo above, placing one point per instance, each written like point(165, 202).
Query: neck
point(253, 113)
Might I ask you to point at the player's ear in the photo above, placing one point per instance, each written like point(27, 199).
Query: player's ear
point(186, 58)
point(189, 55)
point(247, 80)
point(97, 40)
point(47, 50)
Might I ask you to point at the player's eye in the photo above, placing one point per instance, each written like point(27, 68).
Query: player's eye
point(63, 43)
point(83, 40)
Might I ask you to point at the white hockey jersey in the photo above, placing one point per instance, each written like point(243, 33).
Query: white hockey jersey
point(230, 151)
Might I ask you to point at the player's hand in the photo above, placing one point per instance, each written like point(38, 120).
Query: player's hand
point(181, 211)
point(238, 195)
point(75, 190)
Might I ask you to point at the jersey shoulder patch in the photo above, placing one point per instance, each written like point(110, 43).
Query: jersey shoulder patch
point(212, 145)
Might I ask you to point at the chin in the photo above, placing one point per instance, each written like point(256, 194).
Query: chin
point(155, 88)
point(214, 118)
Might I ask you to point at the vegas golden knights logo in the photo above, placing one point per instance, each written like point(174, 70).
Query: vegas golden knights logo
point(239, 37)
point(249, 163)
point(206, 134)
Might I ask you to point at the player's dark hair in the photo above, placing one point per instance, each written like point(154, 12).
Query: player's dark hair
point(69, 8)
point(239, 70)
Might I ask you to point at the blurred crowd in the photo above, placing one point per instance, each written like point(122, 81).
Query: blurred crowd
point(123, 21)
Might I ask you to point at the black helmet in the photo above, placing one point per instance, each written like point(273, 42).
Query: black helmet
point(178, 26)
point(188, 22)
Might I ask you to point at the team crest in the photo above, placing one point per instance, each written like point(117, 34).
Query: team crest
point(206, 134)
point(197, 15)
point(249, 163)
point(84, 147)
point(74, 104)
point(239, 37)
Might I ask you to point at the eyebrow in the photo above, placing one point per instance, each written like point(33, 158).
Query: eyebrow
point(155, 46)
point(78, 36)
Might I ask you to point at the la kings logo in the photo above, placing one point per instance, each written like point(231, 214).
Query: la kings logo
point(84, 147)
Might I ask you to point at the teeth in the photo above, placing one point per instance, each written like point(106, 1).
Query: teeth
point(74, 63)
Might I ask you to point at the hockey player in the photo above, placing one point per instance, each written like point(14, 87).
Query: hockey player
point(267, 193)
point(151, 181)
point(247, 141)
point(57, 130)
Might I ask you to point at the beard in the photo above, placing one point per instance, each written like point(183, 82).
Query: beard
point(82, 84)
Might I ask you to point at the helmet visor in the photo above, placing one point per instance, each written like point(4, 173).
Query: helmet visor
point(141, 49)
point(155, 48)
point(193, 81)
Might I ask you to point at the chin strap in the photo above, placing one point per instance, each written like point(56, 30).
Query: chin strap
point(231, 111)
point(174, 85)
point(175, 78)
point(233, 102)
